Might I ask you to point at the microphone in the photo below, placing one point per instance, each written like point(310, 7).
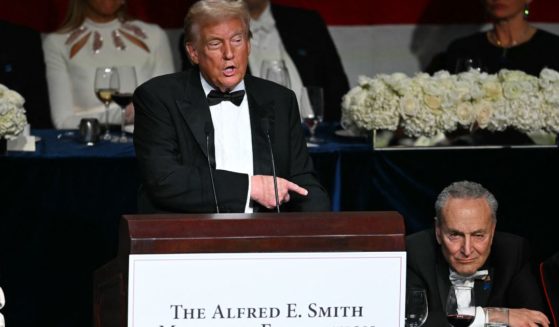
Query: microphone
point(208, 129)
point(266, 128)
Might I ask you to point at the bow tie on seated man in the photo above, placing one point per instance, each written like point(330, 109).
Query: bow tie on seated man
point(457, 279)
point(464, 248)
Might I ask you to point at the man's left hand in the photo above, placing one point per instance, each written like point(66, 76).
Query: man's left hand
point(263, 191)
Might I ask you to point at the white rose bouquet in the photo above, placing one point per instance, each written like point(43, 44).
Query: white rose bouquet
point(12, 113)
point(426, 105)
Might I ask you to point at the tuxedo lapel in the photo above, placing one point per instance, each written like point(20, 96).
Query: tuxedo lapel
point(442, 278)
point(289, 34)
point(260, 109)
point(195, 110)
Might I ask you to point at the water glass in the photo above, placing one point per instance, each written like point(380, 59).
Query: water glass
point(496, 317)
point(312, 109)
point(416, 307)
point(275, 71)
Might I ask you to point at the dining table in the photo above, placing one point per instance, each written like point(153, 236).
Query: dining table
point(60, 205)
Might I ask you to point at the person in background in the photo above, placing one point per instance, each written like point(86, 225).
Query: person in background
point(203, 137)
point(22, 69)
point(98, 33)
point(512, 43)
point(2, 301)
point(300, 38)
point(465, 249)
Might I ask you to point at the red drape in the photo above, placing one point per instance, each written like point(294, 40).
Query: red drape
point(46, 15)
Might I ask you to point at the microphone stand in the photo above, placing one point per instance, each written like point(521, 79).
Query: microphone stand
point(208, 129)
point(266, 127)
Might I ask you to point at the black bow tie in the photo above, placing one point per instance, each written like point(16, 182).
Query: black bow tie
point(215, 97)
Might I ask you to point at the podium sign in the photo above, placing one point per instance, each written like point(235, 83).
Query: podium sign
point(303, 289)
point(333, 269)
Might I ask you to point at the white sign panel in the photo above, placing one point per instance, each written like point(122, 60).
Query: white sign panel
point(365, 289)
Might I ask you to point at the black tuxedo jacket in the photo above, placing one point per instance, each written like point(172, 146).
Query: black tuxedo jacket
point(22, 69)
point(308, 42)
point(170, 140)
point(306, 38)
point(512, 282)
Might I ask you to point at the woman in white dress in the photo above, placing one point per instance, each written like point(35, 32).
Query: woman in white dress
point(97, 33)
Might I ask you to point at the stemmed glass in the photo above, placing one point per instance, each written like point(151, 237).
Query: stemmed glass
point(123, 96)
point(416, 307)
point(312, 103)
point(465, 64)
point(106, 84)
point(460, 306)
point(275, 71)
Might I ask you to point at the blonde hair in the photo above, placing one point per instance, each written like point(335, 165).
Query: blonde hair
point(75, 15)
point(208, 11)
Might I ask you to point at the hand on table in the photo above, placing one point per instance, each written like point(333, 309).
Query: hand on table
point(525, 318)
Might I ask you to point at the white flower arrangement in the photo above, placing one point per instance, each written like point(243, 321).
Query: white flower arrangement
point(12, 113)
point(426, 105)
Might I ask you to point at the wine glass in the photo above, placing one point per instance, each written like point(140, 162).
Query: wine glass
point(416, 307)
point(123, 95)
point(312, 109)
point(465, 64)
point(275, 71)
point(460, 306)
point(106, 84)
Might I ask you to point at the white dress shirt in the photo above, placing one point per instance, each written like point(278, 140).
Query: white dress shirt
point(232, 136)
point(479, 320)
point(266, 44)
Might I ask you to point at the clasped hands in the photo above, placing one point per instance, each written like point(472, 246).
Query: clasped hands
point(262, 190)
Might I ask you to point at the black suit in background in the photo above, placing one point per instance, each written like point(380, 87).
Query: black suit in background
point(512, 281)
point(306, 38)
point(22, 69)
point(170, 140)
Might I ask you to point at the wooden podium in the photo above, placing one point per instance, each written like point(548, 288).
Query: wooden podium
point(237, 233)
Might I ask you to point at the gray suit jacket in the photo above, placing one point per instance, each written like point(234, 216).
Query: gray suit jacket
point(170, 140)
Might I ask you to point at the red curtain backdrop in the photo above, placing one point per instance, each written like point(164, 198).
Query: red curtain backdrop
point(46, 15)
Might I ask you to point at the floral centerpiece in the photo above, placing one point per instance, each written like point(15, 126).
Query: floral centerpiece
point(12, 113)
point(425, 105)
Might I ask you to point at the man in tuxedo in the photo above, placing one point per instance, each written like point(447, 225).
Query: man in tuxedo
point(22, 69)
point(465, 249)
point(300, 38)
point(204, 138)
